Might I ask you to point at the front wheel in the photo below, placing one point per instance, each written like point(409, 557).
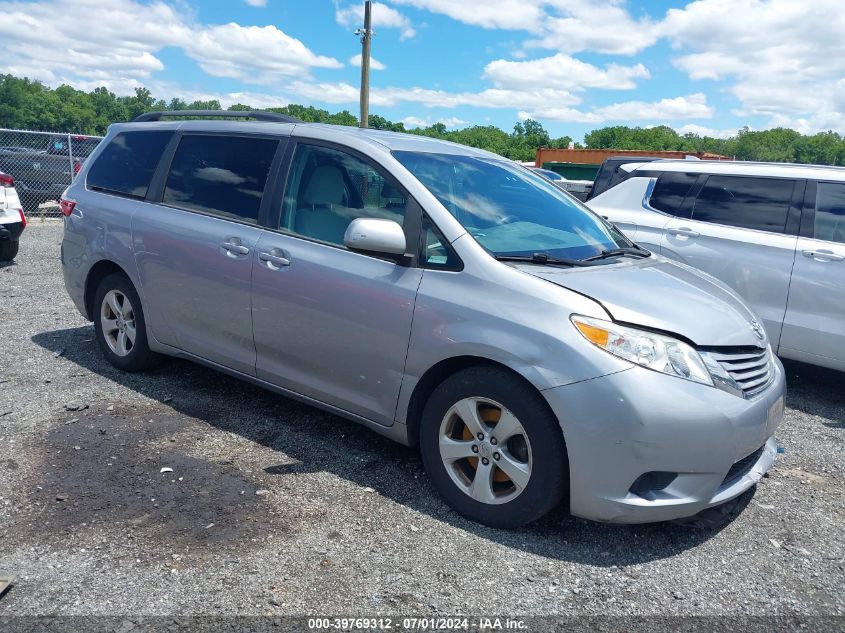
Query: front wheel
point(493, 448)
point(119, 325)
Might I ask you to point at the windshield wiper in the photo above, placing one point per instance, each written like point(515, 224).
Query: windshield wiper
point(542, 259)
point(638, 251)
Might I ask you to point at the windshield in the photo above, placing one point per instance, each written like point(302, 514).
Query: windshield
point(509, 210)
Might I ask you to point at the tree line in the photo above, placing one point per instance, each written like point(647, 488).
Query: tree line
point(31, 105)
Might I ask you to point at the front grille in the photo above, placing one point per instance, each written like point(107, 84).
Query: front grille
point(742, 467)
point(752, 370)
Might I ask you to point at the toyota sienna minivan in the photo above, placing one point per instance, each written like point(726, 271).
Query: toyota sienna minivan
point(437, 294)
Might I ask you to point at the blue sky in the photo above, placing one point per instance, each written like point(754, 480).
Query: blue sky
point(709, 66)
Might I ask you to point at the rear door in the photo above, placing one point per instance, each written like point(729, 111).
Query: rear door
point(194, 246)
point(742, 230)
point(814, 326)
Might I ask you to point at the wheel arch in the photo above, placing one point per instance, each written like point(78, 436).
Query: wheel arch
point(442, 370)
point(98, 272)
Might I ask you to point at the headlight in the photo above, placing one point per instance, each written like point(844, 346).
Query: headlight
point(654, 351)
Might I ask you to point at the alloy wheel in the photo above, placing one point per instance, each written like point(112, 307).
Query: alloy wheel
point(485, 450)
point(117, 318)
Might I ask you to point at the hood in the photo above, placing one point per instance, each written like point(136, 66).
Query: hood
point(662, 295)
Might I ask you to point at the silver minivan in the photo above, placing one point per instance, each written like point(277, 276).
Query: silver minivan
point(438, 294)
point(775, 233)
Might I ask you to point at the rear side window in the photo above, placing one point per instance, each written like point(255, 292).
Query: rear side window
point(750, 203)
point(671, 190)
point(829, 223)
point(126, 165)
point(220, 175)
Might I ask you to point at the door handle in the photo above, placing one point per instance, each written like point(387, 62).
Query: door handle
point(234, 246)
point(274, 261)
point(824, 255)
point(683, 232)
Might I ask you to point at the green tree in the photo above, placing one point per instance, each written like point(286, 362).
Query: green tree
point(30, 105)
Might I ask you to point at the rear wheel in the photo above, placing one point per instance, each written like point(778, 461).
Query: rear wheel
point(493, 449)
point(119, 325)
point(8, 250)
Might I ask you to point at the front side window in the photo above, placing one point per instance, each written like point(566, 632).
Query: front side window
point(670, 191)
point(749, 203)
point(126, 165)
point(220, 175)
point(508, 209)
point(328, 188)
point(829, 222)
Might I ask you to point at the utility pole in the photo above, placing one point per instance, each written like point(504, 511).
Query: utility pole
point(366, 35)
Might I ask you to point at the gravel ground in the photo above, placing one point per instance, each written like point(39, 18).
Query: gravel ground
point(273, 507)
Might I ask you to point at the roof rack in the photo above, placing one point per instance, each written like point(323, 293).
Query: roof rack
point(228, 114)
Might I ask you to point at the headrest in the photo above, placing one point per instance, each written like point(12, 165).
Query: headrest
point(325, 187)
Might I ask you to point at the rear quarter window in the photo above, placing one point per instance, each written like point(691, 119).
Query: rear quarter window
point(126, 165)
point(671, 190)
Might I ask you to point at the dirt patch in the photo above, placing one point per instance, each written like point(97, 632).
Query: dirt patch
point(105, 471)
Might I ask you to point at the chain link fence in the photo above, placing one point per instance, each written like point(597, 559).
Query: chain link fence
point(43, 164)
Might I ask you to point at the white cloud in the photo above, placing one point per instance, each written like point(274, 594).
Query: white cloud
point(375, 64)
point(568, 26)
point(602, 26)
point(256, 3)
point(563, 72)
point(489, 14)
point(254, 54)
point(689, 107)
point(782, 59)
point(123, 37)
point(328, 92)
point(383, 17)
point(414, 122)
point(700, 130)
point(567, 115)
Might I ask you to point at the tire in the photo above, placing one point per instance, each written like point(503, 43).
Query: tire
point(131, 355)
point(537, 447)
point(8, 250)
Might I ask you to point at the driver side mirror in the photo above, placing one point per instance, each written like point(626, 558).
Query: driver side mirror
point(375, 236)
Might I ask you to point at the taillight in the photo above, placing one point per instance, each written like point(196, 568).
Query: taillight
point(76, 167)
point(23, 218)
point(67, 206)
point(6, 180)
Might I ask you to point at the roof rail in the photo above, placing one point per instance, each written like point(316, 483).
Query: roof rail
point(228, 114)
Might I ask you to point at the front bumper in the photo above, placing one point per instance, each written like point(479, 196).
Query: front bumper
point(619, 427)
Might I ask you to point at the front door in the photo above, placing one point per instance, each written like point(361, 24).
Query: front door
point(738, 234)
point(194, 248)
point(814, 325)
point(329, 323)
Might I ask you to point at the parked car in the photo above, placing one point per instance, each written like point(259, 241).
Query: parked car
point(12, 218)
point(613, 171)
point(578, 188)
point(40, 175)
point(437, 294)
point(775, 233)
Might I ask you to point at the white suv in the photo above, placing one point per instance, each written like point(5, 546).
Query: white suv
point(773, 232)
point(12, 219)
